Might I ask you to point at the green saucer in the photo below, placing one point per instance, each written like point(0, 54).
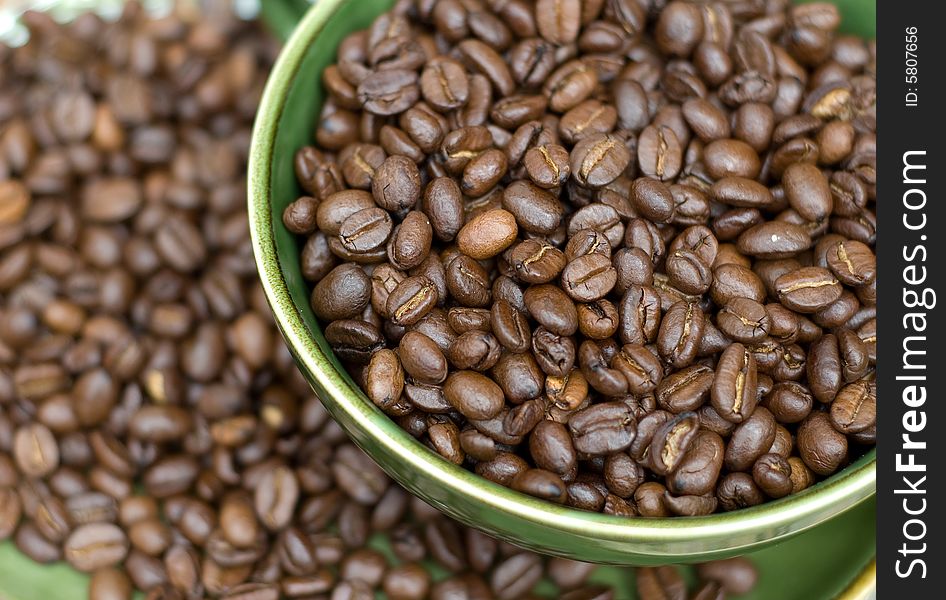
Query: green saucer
point(816, 565)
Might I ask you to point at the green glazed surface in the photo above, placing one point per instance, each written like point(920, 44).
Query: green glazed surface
point(286, 122)
point(828, 557)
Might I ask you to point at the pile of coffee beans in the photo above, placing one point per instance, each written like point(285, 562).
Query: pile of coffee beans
point(154, 431)
point(616, 254)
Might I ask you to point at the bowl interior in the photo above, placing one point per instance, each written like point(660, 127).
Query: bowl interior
point(286, 122)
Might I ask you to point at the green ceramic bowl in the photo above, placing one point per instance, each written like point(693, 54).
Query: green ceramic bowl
point(285, 122)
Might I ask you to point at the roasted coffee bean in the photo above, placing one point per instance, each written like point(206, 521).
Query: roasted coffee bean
point(734, 575)
point(685, 389)
point(384, 379)
point(510, 326)
point(855, 407)
point(555, 354)
point(660, 582)
point(276, 497)
point(743, 193)
point(772, 474)
point(535, 210)
point(444, 84)
point(852, 262)
point(343, 293)
point(789, 402)
point(535, 261)
point(548, 165)
point(540, 483)
point(589, 277)
point(473, 394)
point(35, 450)
point(388, 92)
point(670, 442)
point(750, 439)
point(744, 320)
point(600, 217)
point(823, 367)
point(588, 118)
point(602, 428)
point(639, 366)
point(411, 300)
point(558, 21)
point(552, 308)
point(468, 282)
point(652, 199)
point(598, 320)
point(808, 289)
point(774, 239)
point(422, 358)
point(569, 85)
point(698, 469)
point(680, 331)
point(738, 490)
point(820, 446)
point(487, 234)
point(95, 546)
point(734, 391)
point(551, 447)
point(598, 160)
point(659, 152)
point(519, 376)
point(640, 315)
point(807, 191)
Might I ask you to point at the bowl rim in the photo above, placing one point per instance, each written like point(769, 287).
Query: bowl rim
point(785, 517)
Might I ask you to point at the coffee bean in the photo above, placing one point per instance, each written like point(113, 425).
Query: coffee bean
point(698, 469)
point(11, 509)
point(558, 20)
point(474, 395)
point(35, 450)
point(639, 366)
point(110, 584)
point(808, 289)
point(535, 210)
point(789, 402)
point(444, 84)
point(602, 428)
point(852, 262)
point(95, 546)
point(487, 234)
point(772, 474)
point(680, 331)
point(670, 442)
point(276, 497)
point(422, 358)
point(388, 92)
point(750, 439)
point(660, 582)
point(741, 192)
point(366, 230)
point(411, 300)
point(744, 320)
point(598, 160)
point(686, 389)
point(640, 315)
point(659, 152)
point(548, 165)
point(109, 200)
point(588, 278)
point(540, 483)
point(807, 191)
point(774, 239)
point(855, 407)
